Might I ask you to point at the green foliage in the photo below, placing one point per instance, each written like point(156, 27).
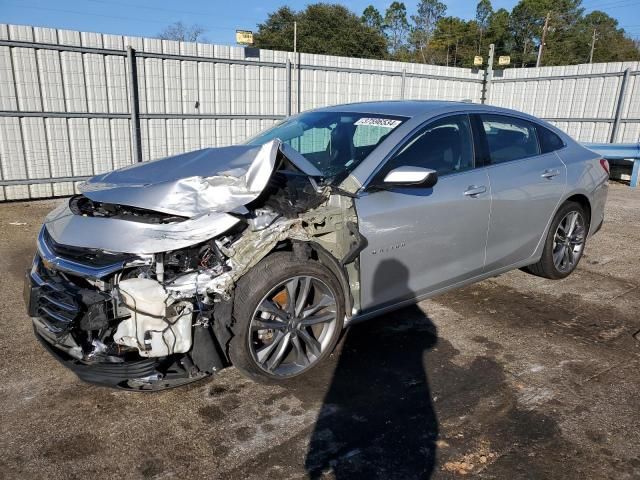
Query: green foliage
point(372, 18)
point(323, 28)
point(397, 28)
point(431, 37)
point(429, 14)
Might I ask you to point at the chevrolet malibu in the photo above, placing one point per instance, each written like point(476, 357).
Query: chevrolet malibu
point(258, 255)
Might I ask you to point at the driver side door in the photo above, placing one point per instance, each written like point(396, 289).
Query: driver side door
point(420, 239)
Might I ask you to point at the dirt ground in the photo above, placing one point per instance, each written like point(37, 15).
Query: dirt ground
point(514, 377)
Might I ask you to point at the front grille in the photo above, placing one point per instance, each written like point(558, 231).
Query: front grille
point(87, 256)
point(63, 301)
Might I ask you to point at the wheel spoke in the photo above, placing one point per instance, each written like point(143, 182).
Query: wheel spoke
point(292, 290)
point(303, 295)
point(565, 257)
point(325, 301)
point(301, 356)
point(313, 346)
point(572, 223)
point(559, 255)
point(264, 353)
point(269, 307)
point(262, 324)
point(277, 358)
point(316, 319)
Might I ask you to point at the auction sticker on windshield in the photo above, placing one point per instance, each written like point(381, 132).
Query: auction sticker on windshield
point(379, 122)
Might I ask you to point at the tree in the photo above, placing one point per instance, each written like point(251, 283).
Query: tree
point(372, 18)
point(611, 43)
point(277, 32)
point(452, 43)
point(498, 32)
point(428, 15)
point(484, 10)
point(183, 33)
point(397, 25)
point(323, 28)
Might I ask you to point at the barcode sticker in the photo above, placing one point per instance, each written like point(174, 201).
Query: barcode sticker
point(379, 122)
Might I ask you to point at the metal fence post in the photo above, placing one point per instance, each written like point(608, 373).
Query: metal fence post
point(298, 84)
point(134, 106)
point(616, 121)
point(404, 82)
point(288, 87)
point(488, 75)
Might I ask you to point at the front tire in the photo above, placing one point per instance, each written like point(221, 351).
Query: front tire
point(288, 315)
point(564, 244)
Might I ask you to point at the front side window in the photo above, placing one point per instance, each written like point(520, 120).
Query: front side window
point(445, 146)
point(334, 142)
point(509, 138)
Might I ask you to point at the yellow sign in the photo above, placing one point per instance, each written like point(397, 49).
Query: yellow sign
point(504, 60)
point(244, 37)
point(477, 60)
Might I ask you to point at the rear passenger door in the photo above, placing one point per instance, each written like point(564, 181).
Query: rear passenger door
point(527, 182)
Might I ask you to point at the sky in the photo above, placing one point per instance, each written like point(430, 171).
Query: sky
point(221, 18)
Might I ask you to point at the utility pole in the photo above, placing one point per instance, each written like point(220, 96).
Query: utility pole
point(295, 64)
point(295, 38)
point(544, 36)
point(593, 44)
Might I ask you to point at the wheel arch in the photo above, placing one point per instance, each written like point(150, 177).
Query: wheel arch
point(309, 250)
point(584, 202)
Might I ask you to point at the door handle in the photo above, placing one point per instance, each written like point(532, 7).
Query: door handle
point(550, 173)
point(474, 190)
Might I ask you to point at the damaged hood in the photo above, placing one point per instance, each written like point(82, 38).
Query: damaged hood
point(209, 180)
point(205, 186)
point(213, 179)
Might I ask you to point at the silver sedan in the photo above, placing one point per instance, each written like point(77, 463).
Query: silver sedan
point(258, 255)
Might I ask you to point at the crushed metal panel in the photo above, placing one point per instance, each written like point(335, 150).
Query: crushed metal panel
point(214, 179)
point(116, 235)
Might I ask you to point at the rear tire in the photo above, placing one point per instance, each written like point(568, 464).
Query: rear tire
point(274, 338)
point(564, 244)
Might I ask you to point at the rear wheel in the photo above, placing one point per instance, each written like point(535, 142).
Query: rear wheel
point(564, 244)
point(288, 317)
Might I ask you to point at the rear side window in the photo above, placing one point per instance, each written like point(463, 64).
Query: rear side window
point(549, 141)
point(509, 138)
point(445, 146)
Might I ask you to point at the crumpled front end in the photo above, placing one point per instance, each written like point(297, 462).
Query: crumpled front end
point(133, 282)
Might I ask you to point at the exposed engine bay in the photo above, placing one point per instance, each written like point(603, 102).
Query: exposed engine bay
point(134, 280)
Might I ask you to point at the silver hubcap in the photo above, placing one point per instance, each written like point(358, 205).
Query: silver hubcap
point(568, 241)
point(292, 326)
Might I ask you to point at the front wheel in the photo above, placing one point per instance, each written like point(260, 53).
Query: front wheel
point(564, 244)
point(288, 315)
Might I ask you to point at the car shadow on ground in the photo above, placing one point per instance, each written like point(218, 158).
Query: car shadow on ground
point(377, 419)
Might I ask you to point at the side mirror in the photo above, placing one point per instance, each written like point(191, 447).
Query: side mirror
point(408, 176)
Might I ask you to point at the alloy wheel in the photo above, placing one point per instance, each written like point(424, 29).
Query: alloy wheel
point(568, 241)
point(292, 326)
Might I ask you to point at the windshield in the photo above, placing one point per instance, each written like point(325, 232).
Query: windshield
point(334, 142)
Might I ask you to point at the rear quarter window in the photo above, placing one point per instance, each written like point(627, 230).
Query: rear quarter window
point(549, 141)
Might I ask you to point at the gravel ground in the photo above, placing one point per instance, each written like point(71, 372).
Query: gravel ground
point(513, 377)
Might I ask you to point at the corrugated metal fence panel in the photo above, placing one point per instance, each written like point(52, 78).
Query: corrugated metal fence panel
point(580, 99)
point(188, 100)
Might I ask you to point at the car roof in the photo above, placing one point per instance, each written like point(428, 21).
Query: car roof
point(414, 108)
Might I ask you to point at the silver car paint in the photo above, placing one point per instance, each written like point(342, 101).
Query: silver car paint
point(524, 195)
point(450, 245)
point(422, 239)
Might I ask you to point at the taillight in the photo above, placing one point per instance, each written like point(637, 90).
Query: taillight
point(605, 165)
